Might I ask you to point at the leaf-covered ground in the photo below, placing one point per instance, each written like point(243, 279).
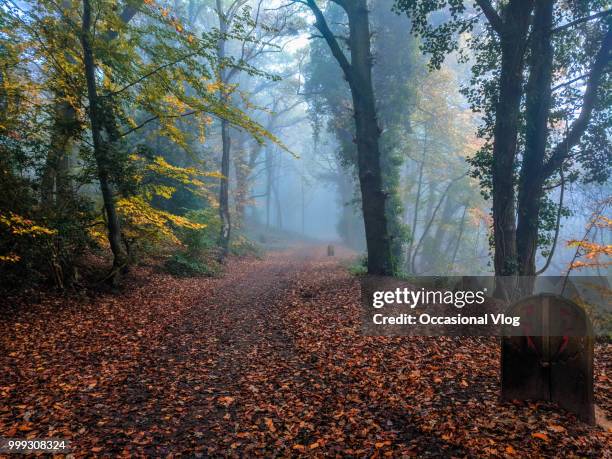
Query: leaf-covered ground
point(265, 361)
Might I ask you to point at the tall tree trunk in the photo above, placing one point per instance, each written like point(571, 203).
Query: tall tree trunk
point(431, 219)
point(277, 196)
point(55, 186)
point(513, 43)
point(538, 100)
point(279, 208)
point(373, 197)
point(430, 200)
point(101, 153)
point(224, 210)
point(245, 161)
point(536, 169)
point(358, 73)
point(242, 172)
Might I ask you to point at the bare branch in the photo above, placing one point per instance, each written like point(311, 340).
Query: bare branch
point(558, 225)
point(581, 20)
point(569, 82)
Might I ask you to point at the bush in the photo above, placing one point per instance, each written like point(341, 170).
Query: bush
point(197, 258)
point(203, 240)
point(38, 248)
point(200, 253)
point(242, 246)
point(184, 265)
point(359, 267)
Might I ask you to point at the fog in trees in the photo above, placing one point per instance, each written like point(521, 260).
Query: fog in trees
point(196, 129)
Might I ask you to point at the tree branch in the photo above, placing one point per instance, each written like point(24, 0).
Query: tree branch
point(157, 117)
point(558, 225)
point(148, 74)
point(581, 123)
point(581, 20)
point(321, 25)
point(567, 83)
point(494, 19)
point(126, 16)
point(433, 216)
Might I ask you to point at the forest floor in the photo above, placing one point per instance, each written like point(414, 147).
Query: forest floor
point(266, 360)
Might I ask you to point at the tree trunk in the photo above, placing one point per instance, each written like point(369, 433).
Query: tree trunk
point(224, 210)
point(535, 169)
point(279, 208)
point(417, 203)
point(242, 172)
point(538, 100)
point(459, 236)
point(101, 152)
point(439, 257)
point(513, 43)
point(373, 197)
point(269, 180)
point(430, 200)
point(55, 183)
point(358, 73)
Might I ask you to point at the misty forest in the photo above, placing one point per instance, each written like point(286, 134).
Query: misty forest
point(190, 191)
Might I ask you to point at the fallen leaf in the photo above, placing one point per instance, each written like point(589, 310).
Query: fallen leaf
point(270, 424)
point(540, 435)
point(226, 401)
point(556, 428)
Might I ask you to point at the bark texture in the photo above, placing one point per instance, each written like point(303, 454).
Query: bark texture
point(538, 96)
point(513, 32)
point(358, 73)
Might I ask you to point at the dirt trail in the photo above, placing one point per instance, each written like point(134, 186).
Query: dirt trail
point(266, 360)
point(157, 366)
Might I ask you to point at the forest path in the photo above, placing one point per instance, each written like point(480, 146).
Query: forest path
point(266, 360)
